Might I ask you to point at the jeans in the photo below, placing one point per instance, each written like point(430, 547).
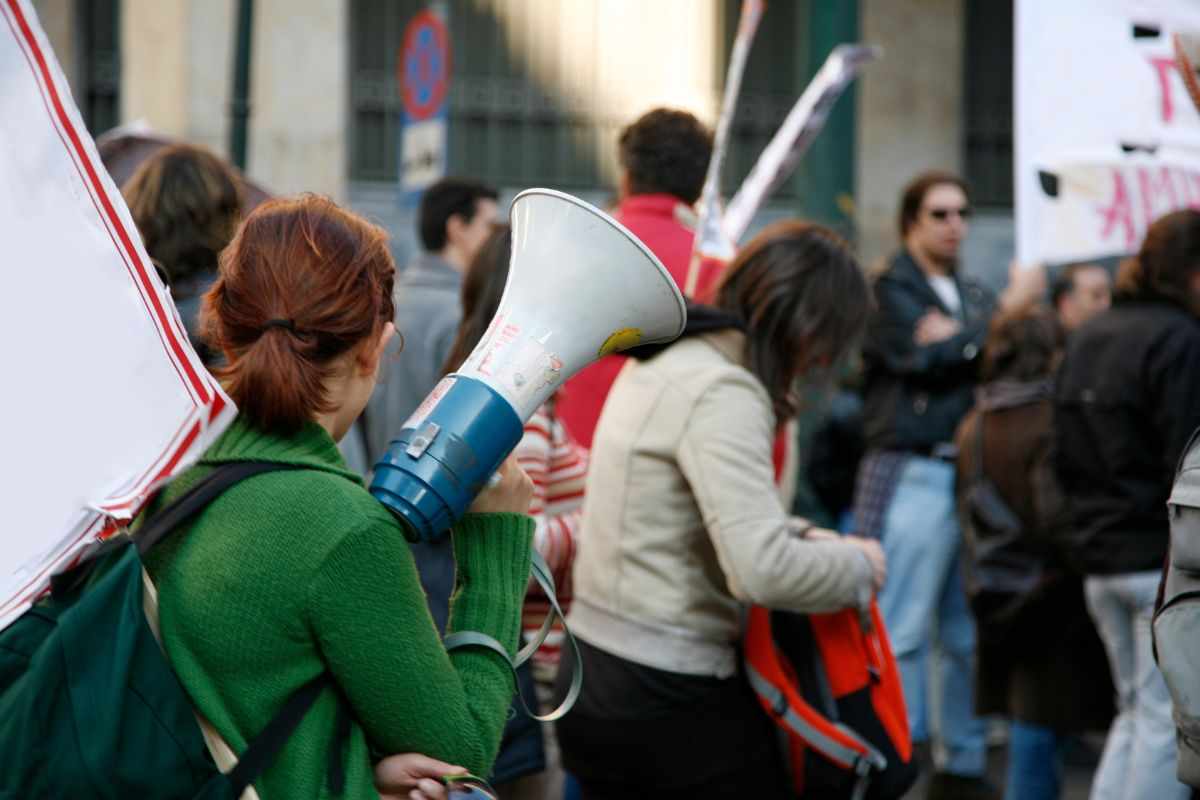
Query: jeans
point(1139, 755)
point(924, 594)
point(1034, 762)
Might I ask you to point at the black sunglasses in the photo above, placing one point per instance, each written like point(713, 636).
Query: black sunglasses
point(943, 214)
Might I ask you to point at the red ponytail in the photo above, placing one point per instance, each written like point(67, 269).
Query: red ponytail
point(322, 277)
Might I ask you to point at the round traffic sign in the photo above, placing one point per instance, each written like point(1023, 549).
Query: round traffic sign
point(424, 66)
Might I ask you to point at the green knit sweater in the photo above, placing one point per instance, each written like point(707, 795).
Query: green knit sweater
point(290, 574)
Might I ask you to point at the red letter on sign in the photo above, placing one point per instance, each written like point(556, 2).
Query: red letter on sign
point(1153, 190)
point(1119, 212)
point(1164, 67)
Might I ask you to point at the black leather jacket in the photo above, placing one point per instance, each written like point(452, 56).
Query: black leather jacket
point(1126, 402)
point(915, 395)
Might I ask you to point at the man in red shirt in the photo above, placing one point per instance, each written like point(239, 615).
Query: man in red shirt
point(663, 158)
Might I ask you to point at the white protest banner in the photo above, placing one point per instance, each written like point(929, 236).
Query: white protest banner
point(799, 129)
point(710, 236)
point(1106, 136)
point(105, 398)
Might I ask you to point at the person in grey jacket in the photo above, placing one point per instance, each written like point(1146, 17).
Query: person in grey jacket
point(684, 523)
point(454, 219)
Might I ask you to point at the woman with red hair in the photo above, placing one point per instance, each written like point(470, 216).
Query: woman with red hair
point(298, 573)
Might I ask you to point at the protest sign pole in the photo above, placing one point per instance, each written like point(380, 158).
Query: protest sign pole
point(710, 239)
point(781, 156)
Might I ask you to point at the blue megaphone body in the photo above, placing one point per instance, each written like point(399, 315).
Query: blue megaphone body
point(580, 286)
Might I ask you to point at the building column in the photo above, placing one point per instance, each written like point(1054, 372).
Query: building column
point(910, 108)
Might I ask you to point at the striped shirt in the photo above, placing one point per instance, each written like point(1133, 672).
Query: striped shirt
point(557, 465)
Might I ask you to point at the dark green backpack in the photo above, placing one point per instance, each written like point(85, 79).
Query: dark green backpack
point(89, 706)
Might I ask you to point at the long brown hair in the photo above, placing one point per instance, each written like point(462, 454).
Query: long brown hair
point(1163, 267)
point(323, 278)
point(804, 300)
point(186, 204)
point(482, 288)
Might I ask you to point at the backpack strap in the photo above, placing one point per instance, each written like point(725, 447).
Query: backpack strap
point(211, 486)
point(541, 573)
point(828, 737)
point(264, 748)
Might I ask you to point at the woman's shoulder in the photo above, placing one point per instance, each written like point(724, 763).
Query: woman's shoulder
point(313, 510)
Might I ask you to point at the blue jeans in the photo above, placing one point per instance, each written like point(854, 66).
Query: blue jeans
point(923, 597)
point(1139, 754)
point(1034, 762)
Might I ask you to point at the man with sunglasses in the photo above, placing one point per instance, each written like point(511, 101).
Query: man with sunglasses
point(920, 362)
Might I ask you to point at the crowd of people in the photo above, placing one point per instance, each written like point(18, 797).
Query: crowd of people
point(994, 472)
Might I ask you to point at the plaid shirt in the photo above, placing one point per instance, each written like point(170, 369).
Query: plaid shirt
point(878, 475)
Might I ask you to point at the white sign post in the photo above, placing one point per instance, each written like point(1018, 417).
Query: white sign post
point(104, 398)
point(1106, 137)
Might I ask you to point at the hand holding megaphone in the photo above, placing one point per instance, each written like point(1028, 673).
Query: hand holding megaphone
point(580, 286)
point(507, 489)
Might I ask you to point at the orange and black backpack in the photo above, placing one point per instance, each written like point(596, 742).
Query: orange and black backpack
point(831, 683)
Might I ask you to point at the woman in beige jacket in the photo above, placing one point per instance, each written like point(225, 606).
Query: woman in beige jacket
point(684, 525)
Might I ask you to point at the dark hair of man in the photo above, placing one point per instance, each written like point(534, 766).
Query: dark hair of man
point(445, 199)
point(666, 152)
point(1163, 267)
point(913, 196)
point(482, 288)
point(1064, 284)
point(1023, 345)
point(804, 301)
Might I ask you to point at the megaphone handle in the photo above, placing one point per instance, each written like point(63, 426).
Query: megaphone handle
point(541, 573)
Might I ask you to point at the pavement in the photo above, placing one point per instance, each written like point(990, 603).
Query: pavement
point(1077, 779)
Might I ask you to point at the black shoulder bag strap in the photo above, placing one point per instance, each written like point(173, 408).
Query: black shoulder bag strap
point(262, 750)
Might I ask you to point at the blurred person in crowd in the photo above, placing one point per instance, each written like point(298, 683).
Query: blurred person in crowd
point(1127, 400)
point(1080, 292)
point(454, 219)
point(186, 204)
point(558, 468)
point(683, 524)
point(921, 359)
point(663, 157)
point(300, 573)
point(1040, 662)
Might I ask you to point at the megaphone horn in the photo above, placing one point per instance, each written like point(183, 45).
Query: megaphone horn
point(580, 286)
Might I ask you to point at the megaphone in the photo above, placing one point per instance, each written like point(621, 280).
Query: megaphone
point(580, 286)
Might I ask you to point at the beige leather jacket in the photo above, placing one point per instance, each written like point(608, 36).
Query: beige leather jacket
point(683, 523)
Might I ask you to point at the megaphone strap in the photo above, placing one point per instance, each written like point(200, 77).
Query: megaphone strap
point(541, 573)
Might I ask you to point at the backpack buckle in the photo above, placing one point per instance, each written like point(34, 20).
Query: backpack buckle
point(779, 704)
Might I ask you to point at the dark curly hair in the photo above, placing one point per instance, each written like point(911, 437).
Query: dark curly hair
point(666, 151)
point(186, 204)
point(1023, 345)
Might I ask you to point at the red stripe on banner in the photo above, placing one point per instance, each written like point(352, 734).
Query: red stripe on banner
point(31, 594)
point(158, 314)
point(179, 451)
point(95, 205)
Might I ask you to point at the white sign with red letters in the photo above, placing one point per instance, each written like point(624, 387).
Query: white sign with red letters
point(1106, 136)
point(104, 398)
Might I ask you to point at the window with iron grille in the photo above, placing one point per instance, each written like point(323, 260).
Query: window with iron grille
point(988, 102)
point(509, 130)
point(99, 37)
point(504, 128)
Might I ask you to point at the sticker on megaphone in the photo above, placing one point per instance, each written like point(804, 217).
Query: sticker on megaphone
point(580, 285)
